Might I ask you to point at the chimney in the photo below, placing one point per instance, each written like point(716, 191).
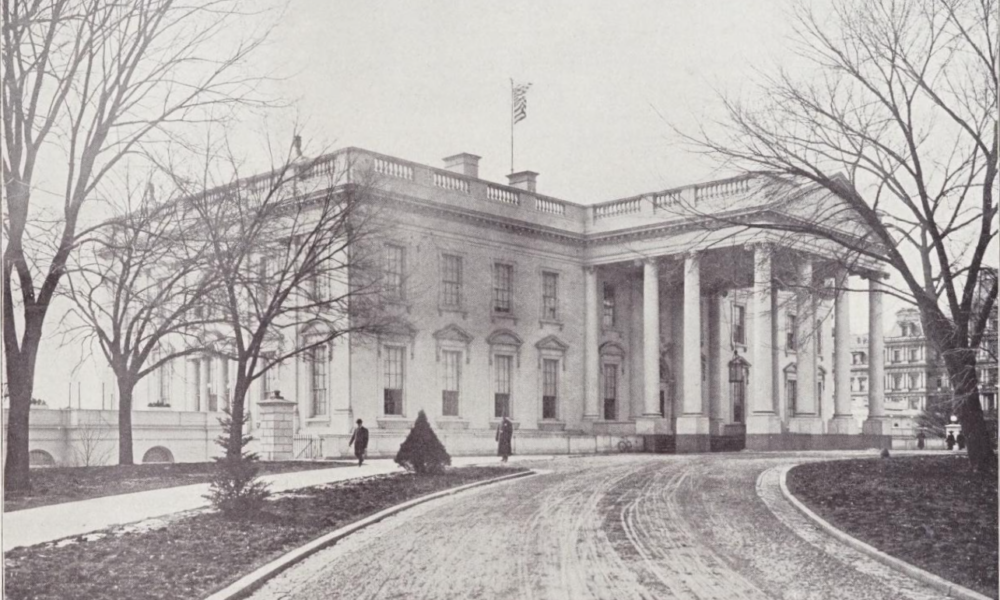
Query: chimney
point(523, 180)
point(464, 163)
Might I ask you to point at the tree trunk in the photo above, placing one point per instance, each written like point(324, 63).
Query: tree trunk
point(21, 387)
point(125, 390)
point(16, 475)
point(234, 447)
point(965, 394)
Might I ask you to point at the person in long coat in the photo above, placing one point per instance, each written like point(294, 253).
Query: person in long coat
point(359, 439)
point(920, 440)
point(961, 440)
point(950, 441)
point(505, 432)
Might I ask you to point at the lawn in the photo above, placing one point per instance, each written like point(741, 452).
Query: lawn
point(194, 555)
point(929, 511)
point(68, 484)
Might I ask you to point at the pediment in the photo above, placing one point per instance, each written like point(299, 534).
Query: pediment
point(399, 329)
point(453, 333)
point(552, 343)
point(504, 337)
point(612, 349)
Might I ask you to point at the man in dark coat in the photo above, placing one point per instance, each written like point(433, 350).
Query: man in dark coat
point(505, 432)
point(961, 440)
point(950, 441)
point(920, 440)
point(359, 439)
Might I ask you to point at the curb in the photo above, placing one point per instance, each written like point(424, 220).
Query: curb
point(951, 590)
point(244, 586)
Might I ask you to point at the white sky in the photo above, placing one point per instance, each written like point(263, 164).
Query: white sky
point(424, 80)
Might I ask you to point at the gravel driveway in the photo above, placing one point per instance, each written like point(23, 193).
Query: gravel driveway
point(616, 527)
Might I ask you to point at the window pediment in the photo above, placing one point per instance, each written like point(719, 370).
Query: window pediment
point(504, 337)
point(552, 343)
point(610, 349)
point(453, 336)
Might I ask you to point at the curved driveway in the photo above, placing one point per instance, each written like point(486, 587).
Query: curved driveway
point(616, 527)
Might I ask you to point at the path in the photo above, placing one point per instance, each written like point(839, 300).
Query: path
point(643, 527)
point(57, 521)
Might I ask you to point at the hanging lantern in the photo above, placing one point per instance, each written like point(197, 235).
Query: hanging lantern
point(736, 371)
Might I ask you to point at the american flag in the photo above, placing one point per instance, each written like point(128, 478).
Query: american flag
point(520, 102)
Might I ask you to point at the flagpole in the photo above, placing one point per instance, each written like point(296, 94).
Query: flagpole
point(511, 124)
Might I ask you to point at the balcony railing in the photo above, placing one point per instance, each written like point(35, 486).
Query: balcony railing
point(553, 207)
point(450, 182)
point(731, 187)
point(618, 207)
point(499, 194)
point(391, 168)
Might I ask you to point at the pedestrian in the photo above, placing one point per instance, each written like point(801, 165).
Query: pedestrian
point(505, 432)
point(950, 441)
point(961, 440)
point(359, 439)
point(920, 440)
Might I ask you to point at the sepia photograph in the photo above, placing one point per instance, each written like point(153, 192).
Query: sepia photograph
point(569, 300)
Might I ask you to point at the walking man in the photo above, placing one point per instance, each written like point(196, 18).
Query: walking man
point(359, 439)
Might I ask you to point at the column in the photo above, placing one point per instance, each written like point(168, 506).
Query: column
point(762, 417)
point(718, 412)
point(651, 339)
point(191, 374)
point(591, 335)
point(806, 418)
point(651, 420)
point(692, 423)
point(876, 424)
point(842, 421)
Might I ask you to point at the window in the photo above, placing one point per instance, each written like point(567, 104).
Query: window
point(791, 394)
point(451, 280)
point(550, 389)
point(550, 296)
point(317, 381)
point(394, 259)
point(264, 271)
point(914, 381)
point(914, 403)
point(897, 355)
point(503, 280)
point(392, 365)
point(790, 336)
point(739, 324)
point(269, 381)
point(210, 392)
point(914, 354)
point(608, 318)
point(166, 373)
point(897, 381)
point(450, 386)
point(502, 385)
point(819, 337)
point(862, 384)
point(319, 286)
point(610, 392)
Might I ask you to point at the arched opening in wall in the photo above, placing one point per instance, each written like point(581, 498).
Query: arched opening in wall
point(157, 454)
point(40, 458)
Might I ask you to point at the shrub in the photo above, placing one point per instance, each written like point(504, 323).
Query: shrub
point(421, 451)
point(235, 489)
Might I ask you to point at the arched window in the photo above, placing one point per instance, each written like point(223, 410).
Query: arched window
point(157, 454)
point(40, 458)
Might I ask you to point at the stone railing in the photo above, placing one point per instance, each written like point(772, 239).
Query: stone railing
point(391, 168)
point(722, 188)
point(617, 208)
point(499, 194)
point(553, 207)
point(450, 182)
point(668, 199)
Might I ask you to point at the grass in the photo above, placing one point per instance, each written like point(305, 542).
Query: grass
point(194, 555)
point(69, 484)
point(930, 511)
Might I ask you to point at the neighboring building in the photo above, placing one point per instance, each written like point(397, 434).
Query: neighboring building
point(581, 323)
point(915, 375)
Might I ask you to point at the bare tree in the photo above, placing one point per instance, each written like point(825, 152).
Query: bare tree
point(87, 83)
point(290, 254)
point(92, 447)
point(138, 289)
point(895, 115)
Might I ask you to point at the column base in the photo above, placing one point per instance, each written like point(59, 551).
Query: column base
point(845, 424)
point(811, 425)
point(653, 425)
point(717, 427)
point(587, 424)
point(693, 434)
point(765, 424)
point(876, 426)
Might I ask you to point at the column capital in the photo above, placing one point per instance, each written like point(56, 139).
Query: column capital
point(589, 269)
point(754, 246)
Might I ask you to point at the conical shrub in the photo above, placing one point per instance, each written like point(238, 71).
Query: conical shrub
point(422, 451)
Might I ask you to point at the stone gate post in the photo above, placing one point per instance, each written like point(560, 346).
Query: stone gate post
point(276, 427)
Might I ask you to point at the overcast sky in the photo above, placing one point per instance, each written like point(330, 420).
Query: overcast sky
point(425, 80)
